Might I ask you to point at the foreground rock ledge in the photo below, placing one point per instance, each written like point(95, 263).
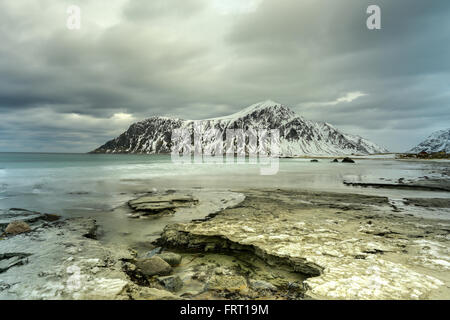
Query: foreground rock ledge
point(63, 260)
point(155, 204)
point(349, 246)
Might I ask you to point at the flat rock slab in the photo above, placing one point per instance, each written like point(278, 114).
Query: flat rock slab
point(31, 218)
point(428, 202)
point(62, 260)
point(12, 259)
point(154, 204)
point(230, 283)
point(366, 252)
point(144, 293)
point(421, 186)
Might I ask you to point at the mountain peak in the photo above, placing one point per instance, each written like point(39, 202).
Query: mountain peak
point(269, 103)
point(297, 135)
point(437, 141)
point(263, 106)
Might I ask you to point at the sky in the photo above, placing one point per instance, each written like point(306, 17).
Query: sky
point(65, 90)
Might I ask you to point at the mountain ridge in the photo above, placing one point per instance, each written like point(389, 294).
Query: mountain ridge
point(298, 136)
point(435, 142)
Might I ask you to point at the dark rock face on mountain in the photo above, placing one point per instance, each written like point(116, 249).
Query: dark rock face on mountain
point(436, 142)
point(298, 136)
point(152, 135)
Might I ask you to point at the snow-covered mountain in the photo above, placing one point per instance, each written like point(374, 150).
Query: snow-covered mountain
point(437, 141)
point(298, 136)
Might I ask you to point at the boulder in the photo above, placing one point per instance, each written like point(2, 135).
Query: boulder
point(314, 160)
point(171, 283)
point(335, 160)
point(171, 258)
point(348, 160)
point(153, 266)
point(17, 227)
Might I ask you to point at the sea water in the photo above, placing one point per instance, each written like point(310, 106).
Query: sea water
point(97, 185)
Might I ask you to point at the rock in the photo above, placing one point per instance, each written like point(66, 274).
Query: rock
point(171, 283)
point(9, 260)
point(154, 204)
point(314, 160)
point(188, 294)
point(348, 160)
point(32, 218)
point(143, 293)
point(334, 259)
point(171, 258)
point(58, 262)
point(262, 285)
point(153, 252)
point(231, 283)
point(50, 217)
point(220, 270)
point(104, 289)
point(335, 160)
point(17, 227)
point(153, 266)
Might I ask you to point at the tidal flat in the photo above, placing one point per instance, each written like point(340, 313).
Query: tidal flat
point(302, 234)
point(273, 244)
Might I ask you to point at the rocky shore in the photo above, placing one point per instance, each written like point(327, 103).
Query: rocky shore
point(343, 246)
point(272, 244)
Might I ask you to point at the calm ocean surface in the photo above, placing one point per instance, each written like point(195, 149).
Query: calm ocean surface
point(95, 184)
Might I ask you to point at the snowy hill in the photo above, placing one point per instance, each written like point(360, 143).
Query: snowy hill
point(298, 136)
point(437, 141)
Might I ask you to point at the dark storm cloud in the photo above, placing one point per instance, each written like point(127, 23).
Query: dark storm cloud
point(323, 48)
point(66, 90)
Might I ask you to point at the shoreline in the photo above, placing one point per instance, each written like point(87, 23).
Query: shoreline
point(274, 244)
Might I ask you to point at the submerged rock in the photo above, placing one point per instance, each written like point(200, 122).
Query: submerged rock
point(230, 283)
point(17, 227)
point(314, 160)
point(171, 283)
point(153, 266)
point(171, 258)
point(51, 217)
point(262, 285)
point(153, 252)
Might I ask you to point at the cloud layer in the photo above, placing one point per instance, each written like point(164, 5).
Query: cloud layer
point(70, 91)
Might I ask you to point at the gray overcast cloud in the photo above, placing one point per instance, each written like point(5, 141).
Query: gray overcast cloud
point(70, 91)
